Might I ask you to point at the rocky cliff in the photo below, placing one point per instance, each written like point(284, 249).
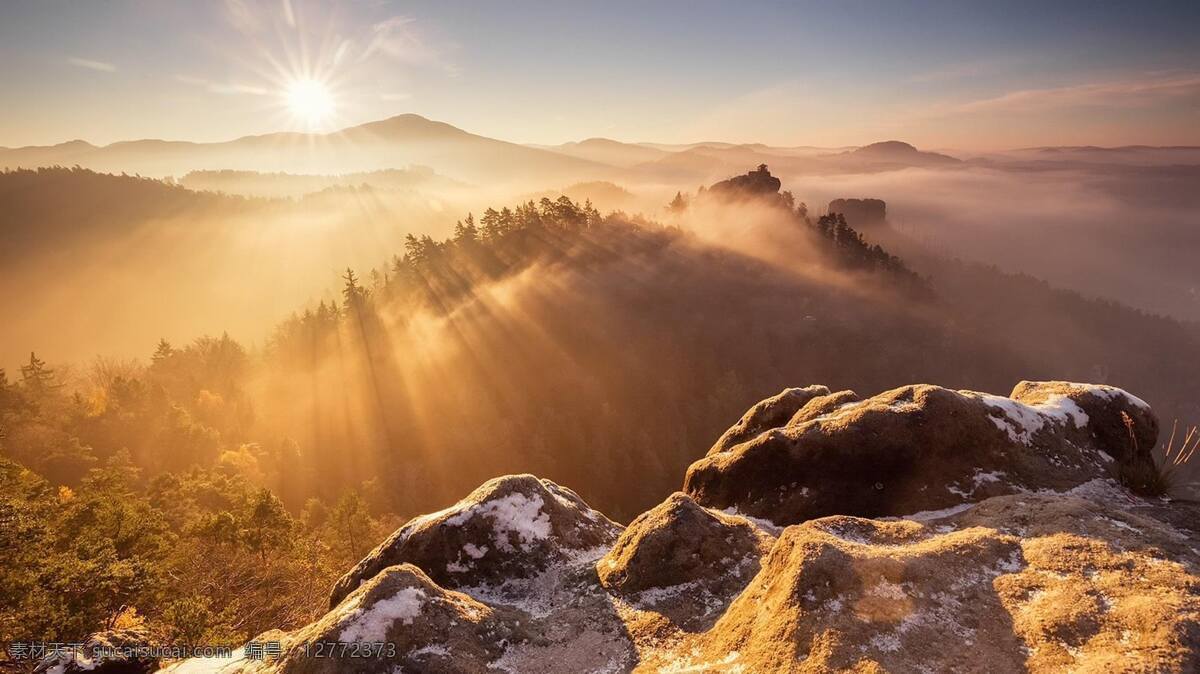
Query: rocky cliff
point(921, 529)
point(862, 214)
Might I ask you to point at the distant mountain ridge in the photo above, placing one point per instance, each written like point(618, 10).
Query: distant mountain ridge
point(395, 142)
point(409, 139)
point(898, 152)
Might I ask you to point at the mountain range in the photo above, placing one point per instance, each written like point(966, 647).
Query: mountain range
point(409, 139)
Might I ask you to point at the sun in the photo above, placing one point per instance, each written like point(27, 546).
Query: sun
point(309, 100)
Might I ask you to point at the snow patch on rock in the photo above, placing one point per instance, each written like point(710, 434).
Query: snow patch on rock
point(371, 625)
point(1021, 421)
point(514, 513)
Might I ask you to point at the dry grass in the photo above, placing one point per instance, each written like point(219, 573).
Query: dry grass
point(1165, 476)
point(1175, 459)
point(1186, 448)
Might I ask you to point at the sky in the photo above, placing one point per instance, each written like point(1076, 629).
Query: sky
point(941, 75)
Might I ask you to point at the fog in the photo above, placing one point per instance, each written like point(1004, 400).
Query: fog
point(1125, 233)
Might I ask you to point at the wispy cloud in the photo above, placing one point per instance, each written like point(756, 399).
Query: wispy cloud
point(241, 16)
point(402, 38)
point(1151, 89)
point(223, 87)
point(289, 15)
point(99, 66)
point(954, 72)
point(235, 88)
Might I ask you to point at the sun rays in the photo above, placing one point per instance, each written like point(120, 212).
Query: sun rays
point(309, 101)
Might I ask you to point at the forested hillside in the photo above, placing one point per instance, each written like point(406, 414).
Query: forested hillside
point(56, 207)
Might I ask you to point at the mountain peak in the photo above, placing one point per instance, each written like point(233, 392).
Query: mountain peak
point(598, 142)
point(898, 151)
point(403, 125)
point(887, 146)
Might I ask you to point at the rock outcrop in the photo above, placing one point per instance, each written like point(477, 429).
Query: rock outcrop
point(861, 214)
point(1000, 543)
point(1042, 583)
point(921, 448)
point(400, 617)
point(511, 528)
point(756, 184)
point(117, 651)
point(766, 414)
point(683, 560)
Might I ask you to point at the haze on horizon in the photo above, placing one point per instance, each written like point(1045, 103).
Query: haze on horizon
point(939, 75)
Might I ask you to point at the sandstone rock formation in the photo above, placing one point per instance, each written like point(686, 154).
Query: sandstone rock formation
point(861, 214)
point(758, 183)
point(683, 560)
point(921, 448)
point(766, 414)
point(1001, 543)
point(510, 528)
point(117, 651)
point(1033, 582)
point(402, 618)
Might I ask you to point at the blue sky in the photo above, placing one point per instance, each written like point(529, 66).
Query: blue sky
point(939, 74)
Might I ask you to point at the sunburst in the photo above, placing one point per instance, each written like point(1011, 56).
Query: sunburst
point(310, 101)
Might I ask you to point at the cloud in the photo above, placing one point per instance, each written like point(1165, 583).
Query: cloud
point(99, 66)
point(289, 15)
point(343, 48)
point(402, 39)
point(241, 16)
point(1145, 91)
point(233, 88)
point(954, 72)
point(188, 79)
point(223, 88)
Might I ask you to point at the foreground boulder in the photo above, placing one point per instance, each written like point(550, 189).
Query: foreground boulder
point(400, 618)
point(921, 448)
point(514, 527)
point(118, 651)
point(1094, 579)
point(1078, 586)
point(766, 414)
point(684, 560)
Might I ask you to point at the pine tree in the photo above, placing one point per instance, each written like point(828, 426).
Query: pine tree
point(466, 234)
point(679, 204)
point(267, 525)
point(37, 379)
point(351, 522)
point(163, 352)
point(353, 294)
point(493, 225)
